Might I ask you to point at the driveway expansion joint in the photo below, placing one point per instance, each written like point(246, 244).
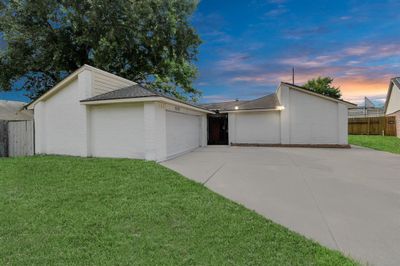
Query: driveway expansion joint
point(212, 175)
point(304, 178)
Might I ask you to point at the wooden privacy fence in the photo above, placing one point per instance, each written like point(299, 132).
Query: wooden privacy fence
point(382, 125)
point(16, 138)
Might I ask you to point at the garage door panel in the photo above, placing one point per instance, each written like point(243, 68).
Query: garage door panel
point(117, 131)
point(183, 132)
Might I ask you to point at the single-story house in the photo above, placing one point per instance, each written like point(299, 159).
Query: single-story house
point(95, 113)
point(392, 104)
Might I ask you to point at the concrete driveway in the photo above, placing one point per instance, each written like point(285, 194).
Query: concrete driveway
point(346, 199)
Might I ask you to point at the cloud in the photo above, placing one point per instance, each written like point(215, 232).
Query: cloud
point(211, 27)
point(357, 50)
point(276, 1)
point(357, 87)
point(345, 17)
point(235, 62)
point(216, 98)
point(317, 61)
point(299, 33)
point(280, 10)
point(386, 51)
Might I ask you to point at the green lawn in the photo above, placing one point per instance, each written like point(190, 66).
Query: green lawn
point(381, 143)
point(65, 210)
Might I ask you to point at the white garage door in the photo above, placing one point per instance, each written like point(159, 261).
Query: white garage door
point(183, 133)
point(117, 130)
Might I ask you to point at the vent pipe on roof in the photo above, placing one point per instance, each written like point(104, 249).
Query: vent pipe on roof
point(293, 75)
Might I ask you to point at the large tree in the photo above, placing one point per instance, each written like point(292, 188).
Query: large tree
point(147, 41)
point(323, 85)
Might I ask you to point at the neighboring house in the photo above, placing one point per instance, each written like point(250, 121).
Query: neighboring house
point(14, 111)
point(392, 104)
point(96, 113)
point(369, 109)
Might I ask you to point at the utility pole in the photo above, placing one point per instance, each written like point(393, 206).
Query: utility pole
point(293, 75)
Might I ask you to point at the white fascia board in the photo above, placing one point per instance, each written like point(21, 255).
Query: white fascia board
point(57, 87)
point(147, 99)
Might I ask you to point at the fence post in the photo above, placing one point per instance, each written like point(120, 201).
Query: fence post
point(3, 138)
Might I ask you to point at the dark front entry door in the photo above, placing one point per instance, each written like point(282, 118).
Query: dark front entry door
point(218, 129)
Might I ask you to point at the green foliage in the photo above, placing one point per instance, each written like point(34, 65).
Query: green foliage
point(323, 85)
point(147, 41)
point(87, 211)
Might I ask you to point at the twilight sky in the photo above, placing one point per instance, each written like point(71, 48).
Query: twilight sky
point(249, 46)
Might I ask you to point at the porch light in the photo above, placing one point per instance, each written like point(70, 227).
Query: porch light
point(236, 107)
point(280, 107)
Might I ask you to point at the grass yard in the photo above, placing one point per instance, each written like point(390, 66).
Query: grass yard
point(381, 143)
point(65, 210)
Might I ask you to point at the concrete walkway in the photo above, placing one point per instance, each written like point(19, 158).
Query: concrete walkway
point(346, 199)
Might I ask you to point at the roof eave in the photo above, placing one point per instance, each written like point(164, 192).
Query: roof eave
point(146, 99)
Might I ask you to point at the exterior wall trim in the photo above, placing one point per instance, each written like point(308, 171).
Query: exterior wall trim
point(148, 99)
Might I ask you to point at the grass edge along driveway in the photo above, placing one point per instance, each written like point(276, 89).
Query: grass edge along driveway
point(80, 211)
point(380, 143)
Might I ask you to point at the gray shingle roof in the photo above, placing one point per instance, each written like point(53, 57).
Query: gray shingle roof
point(135, 91)
point(222, 106)
point(267, 102)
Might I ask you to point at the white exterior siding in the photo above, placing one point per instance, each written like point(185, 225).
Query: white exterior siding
point(254, 127)
point(103, 83)
point(394, 101)
point(183, 131)
point(61, 125)
point(310, 119)
point(116, 130)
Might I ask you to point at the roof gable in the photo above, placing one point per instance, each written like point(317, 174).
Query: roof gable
point(69, 79)
point(305, 90)
point(392, 103)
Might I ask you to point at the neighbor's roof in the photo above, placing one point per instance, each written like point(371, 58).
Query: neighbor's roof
point(266, 102)
point(135, 91)
point(389, 93)
point(13, 110)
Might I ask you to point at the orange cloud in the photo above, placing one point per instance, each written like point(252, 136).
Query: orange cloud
point(360, 86)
